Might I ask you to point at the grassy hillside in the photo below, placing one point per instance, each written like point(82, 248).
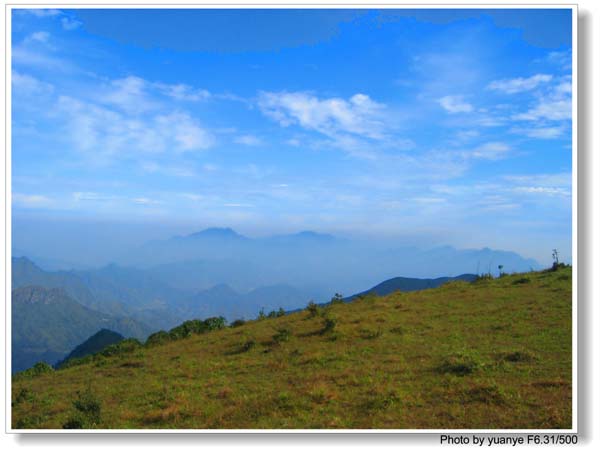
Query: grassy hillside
point(492, 354)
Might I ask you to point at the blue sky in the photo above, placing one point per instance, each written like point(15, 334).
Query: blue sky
point(446, 127)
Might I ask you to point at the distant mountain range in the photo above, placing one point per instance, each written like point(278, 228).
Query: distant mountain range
point(410, 284)
point(47, 324)
point(218, 272)
point(320, 263)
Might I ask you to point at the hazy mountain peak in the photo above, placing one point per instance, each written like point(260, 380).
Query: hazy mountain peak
point(216, 232)
point(314, 235)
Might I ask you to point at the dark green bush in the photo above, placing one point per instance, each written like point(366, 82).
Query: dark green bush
point(313, 309)
point(282, 335)
point(196, 326)
point(337, 298)
point(160, 337)
point(125, 346)
point(37, 370)
point(87, 412)
point(329, 325)
point(460, 364)
point(238, 323)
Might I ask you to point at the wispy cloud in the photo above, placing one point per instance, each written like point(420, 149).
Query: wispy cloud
point(69, 23)
point(359, 115)
point(540, 133)
point(104, 132)
point(38, 36)
point(554, 105)
point(455, 104)
point(24, 84)
point(516, 85)
point(39, 12)
point(30, 200)
point(248, 139)
point(490, 151)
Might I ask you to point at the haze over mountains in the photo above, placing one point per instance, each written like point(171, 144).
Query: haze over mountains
point(217, 272)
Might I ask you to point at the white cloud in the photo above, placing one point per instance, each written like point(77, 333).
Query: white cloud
point(249, 140)
point(41, 12)
point(490, 151)
point(192, 197)
point(553, 106)
point(21, 55)
point(515, 85)
point(552, 191)
point(136, 95)
point(557, 184)
point(128, 94)
point(144, 201)
point(38, 36)
point(91, 196)
point(30, 200)
point(540, 133)
point(70, 24)
point(455, 104)
point(184, 131)
point(25, 84)
point(183, 92)
point(103, 132)
point(169, 170)
point(359, 115)
point(545, 180)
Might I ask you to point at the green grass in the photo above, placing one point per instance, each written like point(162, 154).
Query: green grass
point(492, 354)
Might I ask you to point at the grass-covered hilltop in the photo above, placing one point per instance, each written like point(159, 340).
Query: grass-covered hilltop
point(495, 353)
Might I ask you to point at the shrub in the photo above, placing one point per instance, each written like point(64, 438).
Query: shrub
point(280, 312)
point(248, 345)
point(261, 314)
point(196, 326)
point(484, 277)
point(125, 346)
point(272, 314)
point(282, 335)
point(87, 412)
point(213, 323)
point(237, 323)
point(313, 309)
point(460, 364)
point(371, 334)
point(517, 356)
point(38, 369)
point(485, 394)
point(24, 395)
point(160, 337)
point(337, 298)
point(522, 280)
point(329, 325)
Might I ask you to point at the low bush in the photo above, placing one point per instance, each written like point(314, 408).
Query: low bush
point(460, 364)
point(160, 337)
point(38, 369)
point(282, 335)
point(196, 326)
point(87, 412)
point(329, 324)
point(125, 346)
point(337, 298)
point(313, 309)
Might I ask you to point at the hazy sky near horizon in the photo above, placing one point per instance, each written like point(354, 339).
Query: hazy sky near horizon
point(455, 124)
